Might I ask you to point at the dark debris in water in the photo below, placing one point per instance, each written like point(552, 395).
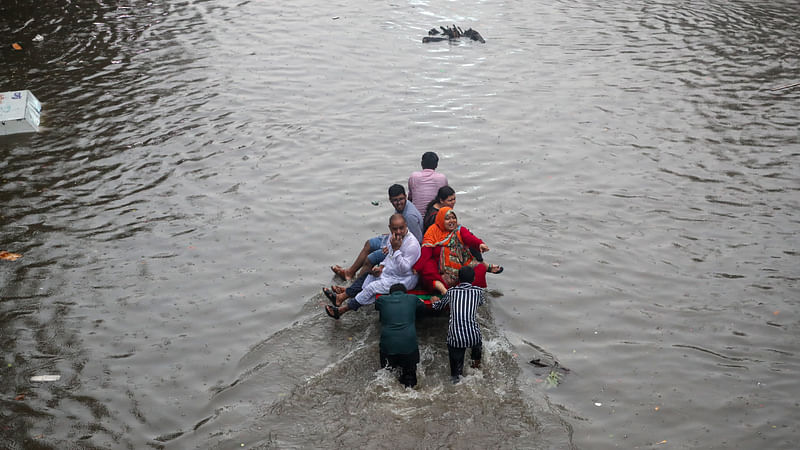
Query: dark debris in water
point(556, 374)
point(538, 362)
point(555, 365)
point(451, 33)
point(169, 436)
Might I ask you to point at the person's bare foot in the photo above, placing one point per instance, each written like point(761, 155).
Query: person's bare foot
point(341, 272)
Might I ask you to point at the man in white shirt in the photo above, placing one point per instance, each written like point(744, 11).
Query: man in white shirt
point(375, 249)
point(396, 267)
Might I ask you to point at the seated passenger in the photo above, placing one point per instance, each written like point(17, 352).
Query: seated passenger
point(445, 249)
point(445, 196)
point(375, 249)
point(397, 267)
point(423, 185)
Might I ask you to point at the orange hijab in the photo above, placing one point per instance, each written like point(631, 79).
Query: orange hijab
point(454, 254)
point(437, 234)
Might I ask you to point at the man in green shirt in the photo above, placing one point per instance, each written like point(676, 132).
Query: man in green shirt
point(399, 349)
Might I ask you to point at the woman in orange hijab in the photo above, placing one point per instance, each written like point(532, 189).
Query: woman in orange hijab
point(445, 249)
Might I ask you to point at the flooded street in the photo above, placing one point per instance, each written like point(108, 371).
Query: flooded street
point(634, 166)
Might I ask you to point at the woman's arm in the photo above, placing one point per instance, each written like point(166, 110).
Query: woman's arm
point(470, 240)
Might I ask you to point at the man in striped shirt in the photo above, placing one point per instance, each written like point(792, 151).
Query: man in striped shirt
point(463, 331)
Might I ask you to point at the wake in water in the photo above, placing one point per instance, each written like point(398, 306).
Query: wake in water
point(319, 384)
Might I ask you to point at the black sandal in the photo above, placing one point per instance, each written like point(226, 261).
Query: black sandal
point(335, 314)
point(331, 295)
point(338, 289)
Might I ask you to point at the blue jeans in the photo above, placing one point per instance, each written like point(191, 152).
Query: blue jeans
point(376, 245)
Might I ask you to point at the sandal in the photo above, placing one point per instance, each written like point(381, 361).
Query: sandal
point(331, 295)
point(332, 311)
point(495, 269)
point(338, 289)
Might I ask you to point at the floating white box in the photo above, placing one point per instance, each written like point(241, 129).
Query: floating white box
point(19, 112)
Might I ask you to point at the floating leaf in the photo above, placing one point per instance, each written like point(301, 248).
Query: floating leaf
point(553, 379)
point(8, 256)
point(20, 397)
point(16, 46)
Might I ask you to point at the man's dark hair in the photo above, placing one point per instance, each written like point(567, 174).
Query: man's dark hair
point(396, 189)
point(466, 274)
point(430, 160)
point(398, 287)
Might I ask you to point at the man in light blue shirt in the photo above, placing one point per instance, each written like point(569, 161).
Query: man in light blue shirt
point(375, 249)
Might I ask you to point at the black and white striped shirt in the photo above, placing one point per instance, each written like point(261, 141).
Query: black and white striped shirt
point(464, 300)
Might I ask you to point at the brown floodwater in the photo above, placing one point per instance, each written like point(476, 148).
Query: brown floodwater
point(634, 166)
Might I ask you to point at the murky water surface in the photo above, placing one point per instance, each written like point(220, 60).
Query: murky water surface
point(202, 163)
